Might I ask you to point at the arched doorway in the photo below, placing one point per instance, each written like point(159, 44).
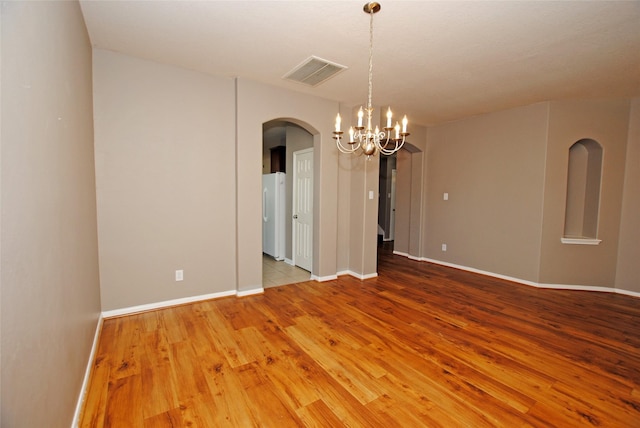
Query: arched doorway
point(283, 141)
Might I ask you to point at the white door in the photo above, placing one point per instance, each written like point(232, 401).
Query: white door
point(392, 219)
point(302, 234)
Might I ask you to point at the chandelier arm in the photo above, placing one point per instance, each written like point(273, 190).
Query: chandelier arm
point(346, 149)
point(397, 146)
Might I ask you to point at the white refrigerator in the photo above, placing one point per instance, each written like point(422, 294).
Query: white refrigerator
point(273, 212)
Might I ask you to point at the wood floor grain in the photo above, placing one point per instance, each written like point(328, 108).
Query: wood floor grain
point(421, 345)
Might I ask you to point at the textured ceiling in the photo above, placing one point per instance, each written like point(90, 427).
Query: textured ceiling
point(435, 61)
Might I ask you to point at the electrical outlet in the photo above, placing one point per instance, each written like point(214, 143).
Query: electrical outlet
point(444, 247)
point(179, 275)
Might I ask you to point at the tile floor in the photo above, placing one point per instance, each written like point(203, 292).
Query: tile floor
point(276, 273)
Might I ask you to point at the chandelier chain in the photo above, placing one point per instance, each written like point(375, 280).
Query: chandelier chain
point(369, 104)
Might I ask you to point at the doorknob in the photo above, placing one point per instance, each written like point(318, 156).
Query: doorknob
point(295, 216)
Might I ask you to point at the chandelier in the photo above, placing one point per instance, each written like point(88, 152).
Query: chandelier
point(371, 141)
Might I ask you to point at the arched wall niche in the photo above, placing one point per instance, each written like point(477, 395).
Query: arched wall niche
point(583, 190)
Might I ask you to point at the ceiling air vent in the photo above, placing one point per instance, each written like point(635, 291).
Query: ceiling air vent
point(314, 71)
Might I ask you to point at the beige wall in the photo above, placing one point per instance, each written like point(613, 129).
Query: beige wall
point(361, 180)
point(177, 185)
point(49, 262)
point(607, 122)
point(256, 104)
point(168, 197)
point(165, 177)
point(492, 167)
point(506, 175)
point(345, 165)
point(628, 268)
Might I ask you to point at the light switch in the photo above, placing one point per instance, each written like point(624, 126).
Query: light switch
point(445, 196)
point(370, 194)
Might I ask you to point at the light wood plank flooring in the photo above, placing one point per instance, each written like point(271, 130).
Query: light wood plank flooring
point(421, 345)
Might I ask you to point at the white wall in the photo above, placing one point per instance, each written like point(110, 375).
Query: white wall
point(49, 262)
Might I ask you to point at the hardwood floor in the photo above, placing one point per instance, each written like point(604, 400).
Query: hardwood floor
point(421, 345)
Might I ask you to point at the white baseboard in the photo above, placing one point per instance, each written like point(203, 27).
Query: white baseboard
point(358, 275)
point(167, 303)
point(576, 287)
point(362, 277)
point(627, 292)
point(87, 374)
point(323, 278)
point(250, 292)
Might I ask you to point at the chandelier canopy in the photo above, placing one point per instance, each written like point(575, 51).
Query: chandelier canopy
point(366, 139)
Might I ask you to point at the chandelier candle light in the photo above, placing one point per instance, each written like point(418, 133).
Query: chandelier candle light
point(371, 141)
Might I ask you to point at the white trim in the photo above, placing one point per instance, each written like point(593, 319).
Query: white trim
point(323, 278)
point(627, 292)
point(581, 241)
point(253, 291)
point(167, 303)
point(289, 261)
point(409, 256)
point(398, 253)
point(576, 287)
point(358, 275)
point(481, 272)
point(87, 374)
point(365, 276)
